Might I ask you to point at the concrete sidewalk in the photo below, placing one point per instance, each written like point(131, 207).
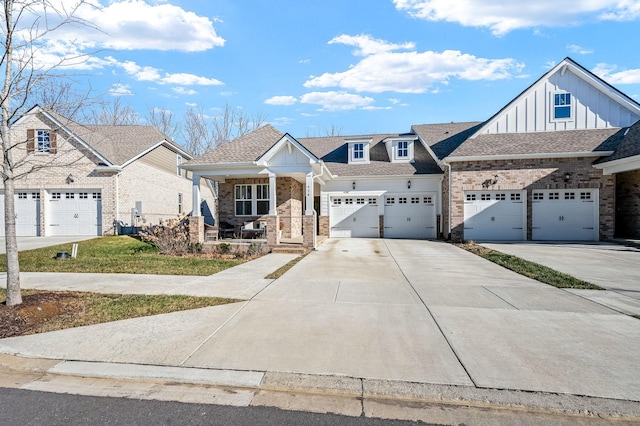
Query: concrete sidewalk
point(385, 317)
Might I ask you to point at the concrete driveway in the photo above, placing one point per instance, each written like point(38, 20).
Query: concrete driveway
point(611, 266)
point(30, 243)
point(399, 310)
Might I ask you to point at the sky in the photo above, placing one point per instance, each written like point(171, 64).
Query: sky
point(354, 67)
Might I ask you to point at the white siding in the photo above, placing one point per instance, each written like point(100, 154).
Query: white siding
point(532, 111)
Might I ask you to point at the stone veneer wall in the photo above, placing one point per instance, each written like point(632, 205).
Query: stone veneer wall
point(324, 225)
point(530, 175)
point(628, 205)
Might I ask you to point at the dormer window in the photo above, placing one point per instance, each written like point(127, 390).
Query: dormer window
point(403, 149)
point(358, 150)
point(562, 106)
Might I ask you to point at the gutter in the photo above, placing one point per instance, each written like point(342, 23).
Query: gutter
point(542, 156)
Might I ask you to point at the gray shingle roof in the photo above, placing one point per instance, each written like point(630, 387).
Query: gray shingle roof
point(574, 141)
point(117, 144)
point(333, 151)
point(629, 144)
point(246, 148)
point(444, 138)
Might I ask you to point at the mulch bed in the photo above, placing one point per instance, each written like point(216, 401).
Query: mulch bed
point(36, 311)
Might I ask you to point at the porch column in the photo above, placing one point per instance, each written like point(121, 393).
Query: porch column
point(309, 194)
point(195, 196)
point(272, 194)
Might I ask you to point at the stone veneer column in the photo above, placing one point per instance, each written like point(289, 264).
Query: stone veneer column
point(196, 229)
point(309, 231)
point(273, 238)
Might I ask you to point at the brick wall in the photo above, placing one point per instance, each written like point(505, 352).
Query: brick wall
point(324, 225)
point(289, 201)
point(628, 205)
point(530, 175)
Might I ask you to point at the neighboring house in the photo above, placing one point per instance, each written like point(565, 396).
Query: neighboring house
point(544, 168)
point(94, 179)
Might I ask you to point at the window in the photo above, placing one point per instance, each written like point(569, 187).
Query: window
point(485, 197)
point(428, 200)
point(515, 197)
point(554, 195)
point(35, 195)
point(403, 149)
point(70, 195)
point(585, 195)
point(501, 197)
point(97, 196)
point(348, 200)
point(569, 195)
point(415, 200)
point(561, 106)
point(243, 200)
point(538, 196)
point(337, 201)
point(389, 200)
point(43, 141)
point(83, 195)
point(358, 151)
point(253, 200)
point(359, 200)
point(402, 200)
point(55, 195)
point(22, 195)
point(179, 203)
point(471, 197)
point(373, 201)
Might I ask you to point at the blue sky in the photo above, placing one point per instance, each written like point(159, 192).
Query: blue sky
point(359, 66)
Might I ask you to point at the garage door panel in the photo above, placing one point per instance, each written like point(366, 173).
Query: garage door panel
point(354, 217)
point(27, 212)
point(565, 215)
point(75, 213)
point(494, 215)
point(410, 216)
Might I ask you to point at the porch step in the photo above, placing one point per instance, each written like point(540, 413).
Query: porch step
point(289, 249)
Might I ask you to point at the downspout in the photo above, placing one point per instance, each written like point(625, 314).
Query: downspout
point(117, 201)
point(449, 200)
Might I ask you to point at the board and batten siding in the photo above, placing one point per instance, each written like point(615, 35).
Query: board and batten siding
point(533, 110)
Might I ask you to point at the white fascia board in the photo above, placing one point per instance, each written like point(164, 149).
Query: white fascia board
point(218, 166)
point(359, 140)
point(618, 166)
point(107, 169)
point(386, 177)
point(287, 138)
point(401, 138)
point(543, 156)
point(73, 135)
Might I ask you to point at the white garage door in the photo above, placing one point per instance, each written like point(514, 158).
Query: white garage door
point(354, 217)
point(27, 210)
point(410, 216)
point(565, 215)
point(495, 215)
point(74, 213)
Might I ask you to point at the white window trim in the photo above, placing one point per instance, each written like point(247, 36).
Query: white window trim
point(396, 151)
point(351, 148)
point(254, 199)
point(552, 110)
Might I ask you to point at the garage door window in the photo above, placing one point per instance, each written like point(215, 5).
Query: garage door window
point(97, 196)
point(390, 200)
point(537, 196)
point(337, 201)
point(501, 197)
point(55, 196)
point(373, 201)
point(554, 195)
point(515, 197)
point(585, 195)
point(471, 197)
point(70, 195)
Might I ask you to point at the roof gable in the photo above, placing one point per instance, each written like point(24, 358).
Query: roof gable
point(593, 104)
point(287, 152)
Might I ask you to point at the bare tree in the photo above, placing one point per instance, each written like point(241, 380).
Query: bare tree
point(26, 25)
point(164, 120)
point(198, 132)
point(115, 113)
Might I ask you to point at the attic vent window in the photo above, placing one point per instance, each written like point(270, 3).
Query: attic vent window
point(562, 106)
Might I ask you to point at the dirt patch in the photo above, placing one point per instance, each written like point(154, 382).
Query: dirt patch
point(36, 311)
point(474, 248)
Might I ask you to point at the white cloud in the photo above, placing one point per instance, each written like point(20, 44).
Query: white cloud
point(119, 89)
point(183, 91)
point(281, 100)
point(606, 72)
point(136, 24)
point(304, 61)
point(503, 16)
point(382, 69)
point(185, 79)
point(191, 104)
point(146, 73)
point(282, 121)
point(336, 101)
point(574, 48)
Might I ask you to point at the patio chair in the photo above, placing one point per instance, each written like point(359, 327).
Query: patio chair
point(226, 229)
point(249, 230)
point(211, 232)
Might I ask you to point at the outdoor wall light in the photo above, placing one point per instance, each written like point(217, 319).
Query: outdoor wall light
point(409, 184)
point(567, 177)
point(490, 182)
point(353, 185)
point(70, 179)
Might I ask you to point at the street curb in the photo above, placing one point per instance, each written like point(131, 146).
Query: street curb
point(363, 389)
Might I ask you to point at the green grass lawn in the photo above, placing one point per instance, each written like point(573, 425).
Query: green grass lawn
point(117, 254)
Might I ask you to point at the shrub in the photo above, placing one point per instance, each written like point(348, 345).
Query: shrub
point(254, 249)
point(171, 236)
point(224, 248)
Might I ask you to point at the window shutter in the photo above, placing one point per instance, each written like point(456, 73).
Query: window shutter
point(31, 143)
point(53, 142)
